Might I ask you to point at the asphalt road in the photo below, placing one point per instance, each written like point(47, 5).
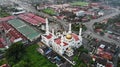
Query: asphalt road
point(90, 31)
point(90, 24)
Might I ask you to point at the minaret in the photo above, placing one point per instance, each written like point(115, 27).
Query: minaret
point(80, 31)
point(53, 33)
point(62, 39)
point(62, 45)
point(47, 27)
point(80, 37)
point(69, 31)
point(53, 37)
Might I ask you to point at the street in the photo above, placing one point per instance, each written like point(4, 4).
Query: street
point(89, 26)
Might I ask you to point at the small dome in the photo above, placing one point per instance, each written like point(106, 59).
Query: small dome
point(68, 36)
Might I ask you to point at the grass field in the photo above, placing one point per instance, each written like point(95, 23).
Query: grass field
point(32, 58)
point(49, 11)
point(79, 3)
point(36, 59)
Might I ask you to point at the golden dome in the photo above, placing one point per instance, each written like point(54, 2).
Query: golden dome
point(68, 36)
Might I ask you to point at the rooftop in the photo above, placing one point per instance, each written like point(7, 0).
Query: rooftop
point(1, 43)
point(48, 36)
point(7, 18)
point(26, 30)
point(32, 19)
point(58, 41)
point(12, 32)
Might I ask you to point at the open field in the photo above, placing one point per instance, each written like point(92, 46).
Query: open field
point(79, 3)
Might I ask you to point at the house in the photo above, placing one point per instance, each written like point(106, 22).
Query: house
point(80, 13)
point(100, 62)
point(100, 13)
point(85, 57)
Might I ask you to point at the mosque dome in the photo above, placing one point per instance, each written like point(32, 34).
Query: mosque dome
point(68, 36)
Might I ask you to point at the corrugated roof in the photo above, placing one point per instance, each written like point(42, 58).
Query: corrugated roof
point(24, 29)
point(13, 33)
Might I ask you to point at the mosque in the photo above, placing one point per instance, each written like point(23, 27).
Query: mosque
point(62, 43)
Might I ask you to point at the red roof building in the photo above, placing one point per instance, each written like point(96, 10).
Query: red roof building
point(35, 17)
point(95, 4)
point(109, 65)
point(7, 18)
point(12, 32)
point(1, 43)
point(104, 54)
point(117, 24)
point(32, 19)
point(28, 19)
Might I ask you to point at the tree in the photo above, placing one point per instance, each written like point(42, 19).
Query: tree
point(3, 61)
point(83, 50)
point(22, 64)
point(76, 27)
point(84, 27)
point(82, 65)
point(102, 33)
point(15, 53)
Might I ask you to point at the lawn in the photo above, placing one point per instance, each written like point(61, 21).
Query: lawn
point(79, 3)
point(49, 11)
point(36, 59)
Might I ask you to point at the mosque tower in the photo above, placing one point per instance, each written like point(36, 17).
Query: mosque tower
point(47, 27)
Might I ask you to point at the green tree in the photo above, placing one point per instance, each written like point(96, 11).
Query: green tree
point(102, 33)
point(22, 64)
point(3, 61)
point(14, 53)
point(82, 50)
point(76, 27)
point(82, 65)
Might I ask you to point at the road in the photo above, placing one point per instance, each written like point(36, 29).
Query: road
point(90, 24)
point(90, 31)
point(64, 25)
